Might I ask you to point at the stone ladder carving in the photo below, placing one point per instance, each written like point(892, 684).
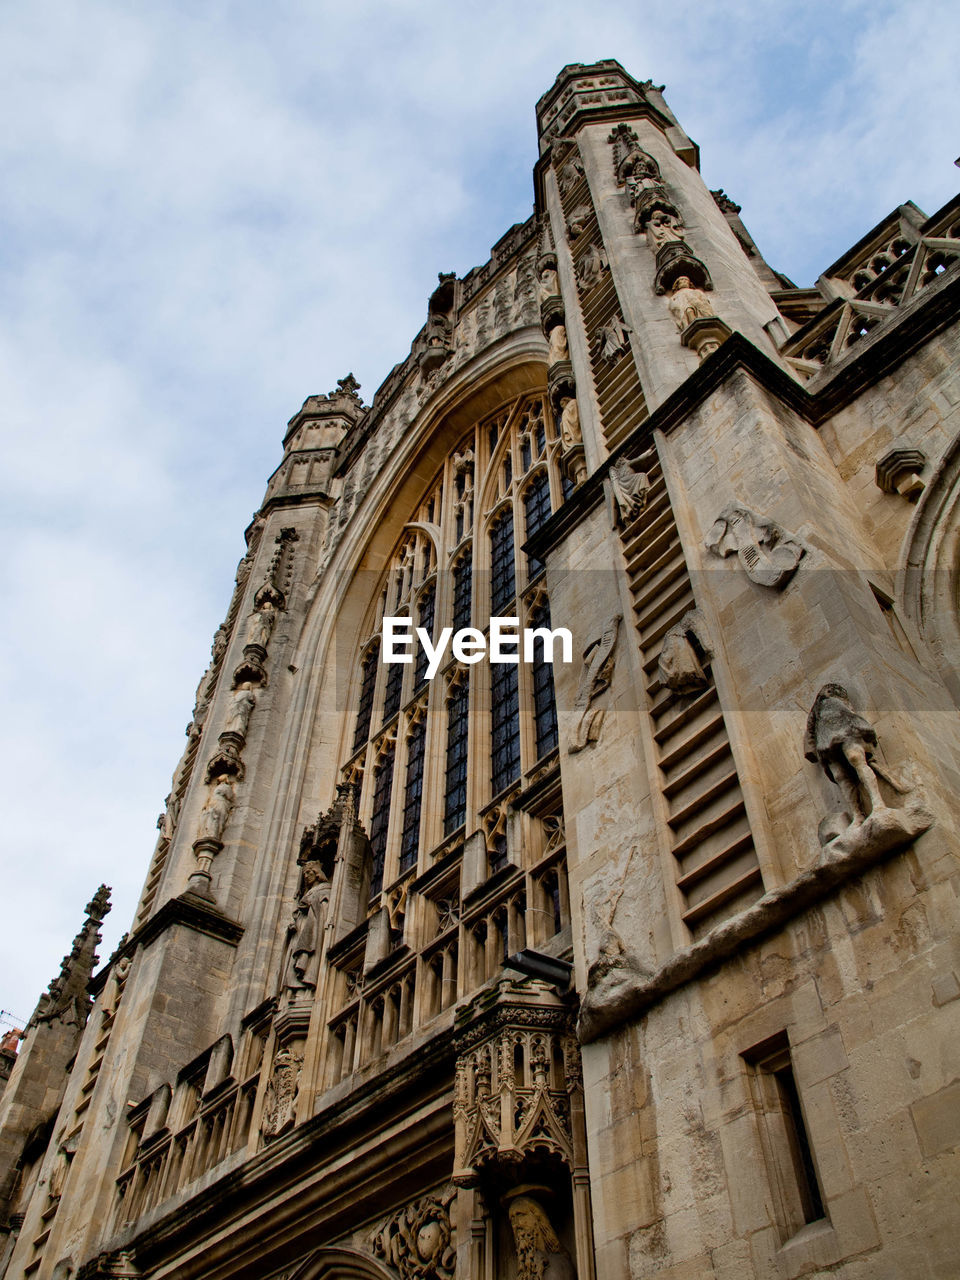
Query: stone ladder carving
point(717, 868)
point(622, 405)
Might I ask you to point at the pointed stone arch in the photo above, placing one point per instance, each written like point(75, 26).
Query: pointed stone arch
point(342, 1264)
point(931, 568)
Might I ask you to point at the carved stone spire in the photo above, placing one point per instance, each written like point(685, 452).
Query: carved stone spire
point(67, 999)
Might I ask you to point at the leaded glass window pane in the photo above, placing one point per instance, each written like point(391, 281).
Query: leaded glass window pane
point(455, 801)
point(425, 620)
point(380, 821)
point(505, 726)
point(544, 701)
point(368, 683)
point(413, 796)
point(502, 581)
point(536, 505)
point(392, 690)
point(462, 582)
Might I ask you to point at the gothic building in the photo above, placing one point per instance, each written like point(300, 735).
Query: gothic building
point(643, 961)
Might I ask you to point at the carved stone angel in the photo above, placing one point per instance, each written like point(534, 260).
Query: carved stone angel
point(570, 171)
point(260, 624)
point(612, 339)
point(241, 709)
point(549, 286)
point(598, 659)
point(558, 344)
point(216, 811)
point(591, 266)
point(843, 743)
point(630, 485)
point(767, 552)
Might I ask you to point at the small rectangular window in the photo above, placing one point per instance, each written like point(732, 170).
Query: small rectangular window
point(788, 1155)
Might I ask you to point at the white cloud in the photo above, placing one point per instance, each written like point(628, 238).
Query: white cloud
point(213, 211)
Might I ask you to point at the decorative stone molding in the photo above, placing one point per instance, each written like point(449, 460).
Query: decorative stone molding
point(768, 554)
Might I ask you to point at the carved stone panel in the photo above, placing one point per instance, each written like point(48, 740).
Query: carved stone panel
point(419, 1241)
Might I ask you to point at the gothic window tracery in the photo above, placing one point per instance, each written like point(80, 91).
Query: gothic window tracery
point(439, 762)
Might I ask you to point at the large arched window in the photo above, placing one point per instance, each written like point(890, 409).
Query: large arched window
point(463, 868)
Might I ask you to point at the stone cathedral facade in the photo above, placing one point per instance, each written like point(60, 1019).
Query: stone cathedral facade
point(641, 963)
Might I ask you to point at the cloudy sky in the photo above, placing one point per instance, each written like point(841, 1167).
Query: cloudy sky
point(210, 211)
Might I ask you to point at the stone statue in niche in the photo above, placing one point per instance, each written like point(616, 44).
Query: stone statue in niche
point(591, 266)
point(664, 227)
point(280, 1095)
point(306, 929)
point(558, 344)
point(260, 624)
point(570, 172)
point(540, 1255)
point(570, 434)
point(688, 304)
point(241, 709)
point(767, 552)
point(418, 1240)
point(598, 660)
point(843, 743)
point(630, 486)
point(113, 990)
point(549, 285)
point(216, 811)
point(611, 339)
point(684, 653)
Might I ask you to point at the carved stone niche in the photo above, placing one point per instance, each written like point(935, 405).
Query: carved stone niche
point(518, 1094)
point(674, 261)
point(519, 1130)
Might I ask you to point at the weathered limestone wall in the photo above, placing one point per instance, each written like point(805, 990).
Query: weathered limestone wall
point(866, 990)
